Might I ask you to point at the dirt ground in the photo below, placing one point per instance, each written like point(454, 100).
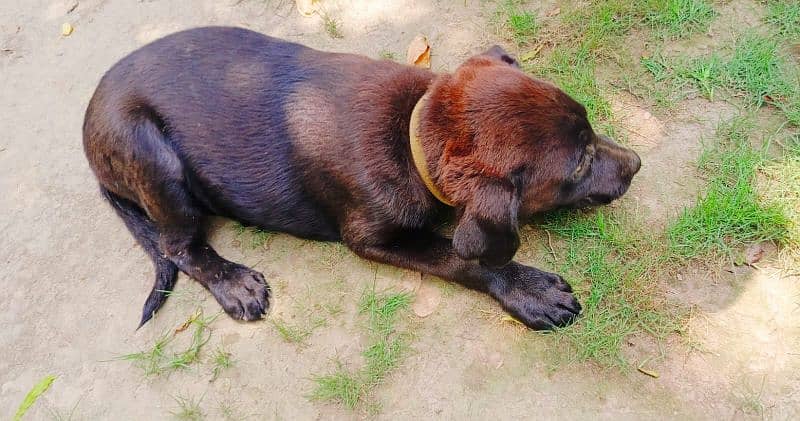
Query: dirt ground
point(73, 280)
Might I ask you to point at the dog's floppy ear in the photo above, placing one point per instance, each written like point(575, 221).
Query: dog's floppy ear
point(488, 227)
point(501, 54)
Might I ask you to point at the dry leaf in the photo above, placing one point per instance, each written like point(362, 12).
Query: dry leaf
point(66, 29)
point(419, 52)
point(647, 372)
point(427, 299)
point(553, 12)
point(306, 7)
point(188, 322)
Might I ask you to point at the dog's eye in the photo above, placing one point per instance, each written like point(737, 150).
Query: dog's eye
point(584, 163)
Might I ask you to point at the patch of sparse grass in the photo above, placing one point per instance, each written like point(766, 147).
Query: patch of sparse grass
point(599, 25)
point(516, 24)
point(573, 70)
point(755, 69)
point(332, 26)
point(785, 16)
point(156, 360)
point(705, 72)
point(383, 354)
point(679, 18)
point(296, 333)
point(612, 270)
point(256, 237)
point(222, 360)
point(730, 212)
point(387, 55)
point(188, 409)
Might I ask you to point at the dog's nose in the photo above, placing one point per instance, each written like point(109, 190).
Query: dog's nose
point(635, 163)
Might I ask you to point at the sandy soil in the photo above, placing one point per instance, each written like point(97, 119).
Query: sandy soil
point(74, 280)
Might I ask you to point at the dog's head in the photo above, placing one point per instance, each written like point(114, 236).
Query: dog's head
point(511, 146)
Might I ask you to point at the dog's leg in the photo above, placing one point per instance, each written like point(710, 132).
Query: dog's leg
point(539, 299)
point(139, 165)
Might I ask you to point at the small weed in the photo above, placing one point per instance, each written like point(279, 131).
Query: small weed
point(520, 25)
point(679, 18)
point(222, 360)
point(387, 55)
point(785, 16)
point(332, 27)
point(705, 72)
point(295, 334)
point(386, 348)
point(340, 386)
point(750, 398)
point(257, 237)
point(730, 212)
point(155, 361)
point(188, 409)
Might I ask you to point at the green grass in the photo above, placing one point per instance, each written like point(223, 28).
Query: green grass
point(221, 360)
point(755, 69)
point(296, 333)
point(785, 16)
point(33, 395)
point(157, 360)
point(387, 55)
point(188, 409)
point(516, 24)
point(612, 269)
point(255, 237)
point(573, 70)
point(332, 27)
point(729, 212)
point(679, 18)
point(386, 348)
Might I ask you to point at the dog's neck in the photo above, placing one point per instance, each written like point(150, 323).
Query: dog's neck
point(418, 152)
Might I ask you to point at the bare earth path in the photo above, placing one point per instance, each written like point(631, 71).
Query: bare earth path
point(73, 281)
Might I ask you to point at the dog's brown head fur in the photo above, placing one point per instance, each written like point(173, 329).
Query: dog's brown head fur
point(507, 146)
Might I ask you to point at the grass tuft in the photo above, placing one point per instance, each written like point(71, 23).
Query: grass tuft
point(257, 237)
point(332, 27)
point(156, 360)
point(295, 333)
point(188, 409)
point(679, 18)
point(785, 16)
point(730, 213)
point(520, 25)
point(386, 348)
point(611, 269)
point(222, 360)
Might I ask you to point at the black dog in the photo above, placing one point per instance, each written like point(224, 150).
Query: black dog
point(339, 147)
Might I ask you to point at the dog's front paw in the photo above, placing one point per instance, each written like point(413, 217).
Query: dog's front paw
point(539, 299)
point(242, 292)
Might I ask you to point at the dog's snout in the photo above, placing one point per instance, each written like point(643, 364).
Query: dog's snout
point(635, 163)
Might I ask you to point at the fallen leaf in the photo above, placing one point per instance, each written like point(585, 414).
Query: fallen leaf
point(553, 12)
point(306, 7)
point(66, 29)
point(419, 52)
point(753, 253)
point(427, 299)
point(647, 372)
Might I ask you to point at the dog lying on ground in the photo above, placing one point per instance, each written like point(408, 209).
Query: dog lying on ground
point(340, 147)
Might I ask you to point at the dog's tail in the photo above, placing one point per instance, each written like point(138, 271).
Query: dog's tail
point(147, 235)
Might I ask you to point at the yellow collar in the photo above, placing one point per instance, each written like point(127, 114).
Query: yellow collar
point(418, 153)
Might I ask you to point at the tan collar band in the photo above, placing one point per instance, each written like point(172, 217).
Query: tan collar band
point(418, 153)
